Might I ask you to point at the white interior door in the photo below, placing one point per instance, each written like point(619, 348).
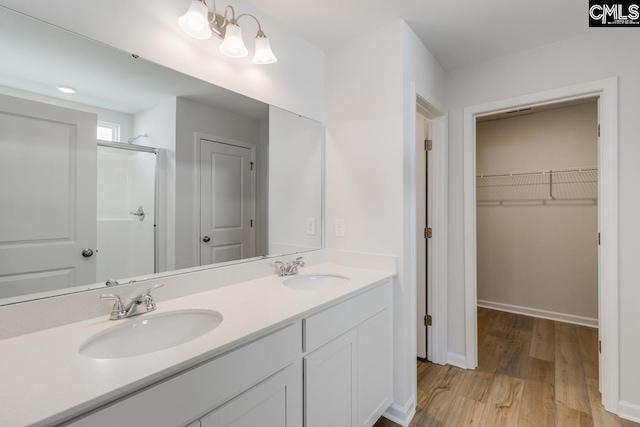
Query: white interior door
point(421, 242)
point(226, 202)
point(48, 197)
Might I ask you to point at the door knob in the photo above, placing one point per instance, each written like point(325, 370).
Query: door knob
point(206, 239)
point(87, 253)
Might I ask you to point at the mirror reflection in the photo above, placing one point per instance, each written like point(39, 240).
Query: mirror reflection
point(141, 170)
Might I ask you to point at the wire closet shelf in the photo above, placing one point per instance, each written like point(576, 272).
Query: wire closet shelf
point(573, 184)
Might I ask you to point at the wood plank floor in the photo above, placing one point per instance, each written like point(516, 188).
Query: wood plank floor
point(532, 372)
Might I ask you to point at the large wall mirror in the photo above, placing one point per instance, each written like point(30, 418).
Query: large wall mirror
point(142, 171)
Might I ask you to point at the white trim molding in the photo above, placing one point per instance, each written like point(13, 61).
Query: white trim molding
point(401, 414)
point(606, 91)
point(459, 360)
point(629, 411)
point(542, 314)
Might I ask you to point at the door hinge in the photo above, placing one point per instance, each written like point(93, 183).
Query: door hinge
point(251, 223)
point(428, 233)
point(428, 145)
point(599, 346)
point(251, 163)
point(427, 320)
point(598, 239)
point(598, 130)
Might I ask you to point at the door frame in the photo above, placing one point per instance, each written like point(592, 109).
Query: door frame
point(199, 136)
point(607, 92)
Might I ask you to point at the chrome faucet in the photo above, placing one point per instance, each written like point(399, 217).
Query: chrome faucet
point(290, 268)
point(140, 304)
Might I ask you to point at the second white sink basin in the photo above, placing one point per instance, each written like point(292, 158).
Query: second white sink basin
point(150, 333)
point(305, 282)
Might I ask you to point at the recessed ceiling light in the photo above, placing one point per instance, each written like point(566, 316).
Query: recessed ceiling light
point(66, 89)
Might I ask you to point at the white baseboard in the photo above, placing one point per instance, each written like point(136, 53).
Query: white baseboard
point(401, 414)
point(458, 360)
point(543, 314)
point(629, 411)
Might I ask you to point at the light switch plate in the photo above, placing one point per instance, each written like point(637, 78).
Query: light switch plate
point(340, 231)
point(311, 226)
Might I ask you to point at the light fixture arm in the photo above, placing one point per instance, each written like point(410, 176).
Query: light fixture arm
point(260, 32)
point(233, 19)
point(217, 22)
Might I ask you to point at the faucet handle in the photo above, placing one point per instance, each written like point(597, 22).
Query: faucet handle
point(153, 288)
point(106, 297)
point(118, 310)
point(147, 297)
point(281, 268)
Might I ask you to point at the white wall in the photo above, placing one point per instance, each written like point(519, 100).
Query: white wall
point(530, 254)
point(295, 182)
point(295, 82)
point(369, 142)
point(599, 54)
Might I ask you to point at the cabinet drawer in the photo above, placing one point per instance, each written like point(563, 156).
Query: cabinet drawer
point(207, 386)
point(328, 324)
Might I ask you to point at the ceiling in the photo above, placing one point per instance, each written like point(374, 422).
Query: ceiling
point(456, 32)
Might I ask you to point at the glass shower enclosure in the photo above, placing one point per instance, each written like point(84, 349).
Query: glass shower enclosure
point(126, 215)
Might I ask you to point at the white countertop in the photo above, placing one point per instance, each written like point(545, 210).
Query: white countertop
point(45, 380)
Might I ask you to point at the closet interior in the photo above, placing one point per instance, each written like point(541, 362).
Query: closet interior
point(536, 213)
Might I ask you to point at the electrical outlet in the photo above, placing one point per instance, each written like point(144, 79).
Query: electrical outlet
point(340, 232)
point(311, 226)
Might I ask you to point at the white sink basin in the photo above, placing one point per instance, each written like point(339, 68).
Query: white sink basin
point(150, 333)
point(306, 282)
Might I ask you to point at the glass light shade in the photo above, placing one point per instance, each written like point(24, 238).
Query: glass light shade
point(196, 21)
point(232, 45)
point(263, 53)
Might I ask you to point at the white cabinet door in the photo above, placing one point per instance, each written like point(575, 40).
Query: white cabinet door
point(269, 404)
point(330, 383)
point(375, 378)
point(47, 197)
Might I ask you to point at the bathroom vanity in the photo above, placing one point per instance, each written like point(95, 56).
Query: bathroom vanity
point(230, 342)
point(284, 354)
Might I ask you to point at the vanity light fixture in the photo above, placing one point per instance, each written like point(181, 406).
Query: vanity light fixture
point(199, 22)
point(66, 89)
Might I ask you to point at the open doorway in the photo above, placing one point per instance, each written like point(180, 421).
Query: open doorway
point(536, 211)
point(605, 92)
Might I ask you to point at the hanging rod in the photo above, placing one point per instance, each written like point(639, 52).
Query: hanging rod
point(537, 172)
point(579, 183)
